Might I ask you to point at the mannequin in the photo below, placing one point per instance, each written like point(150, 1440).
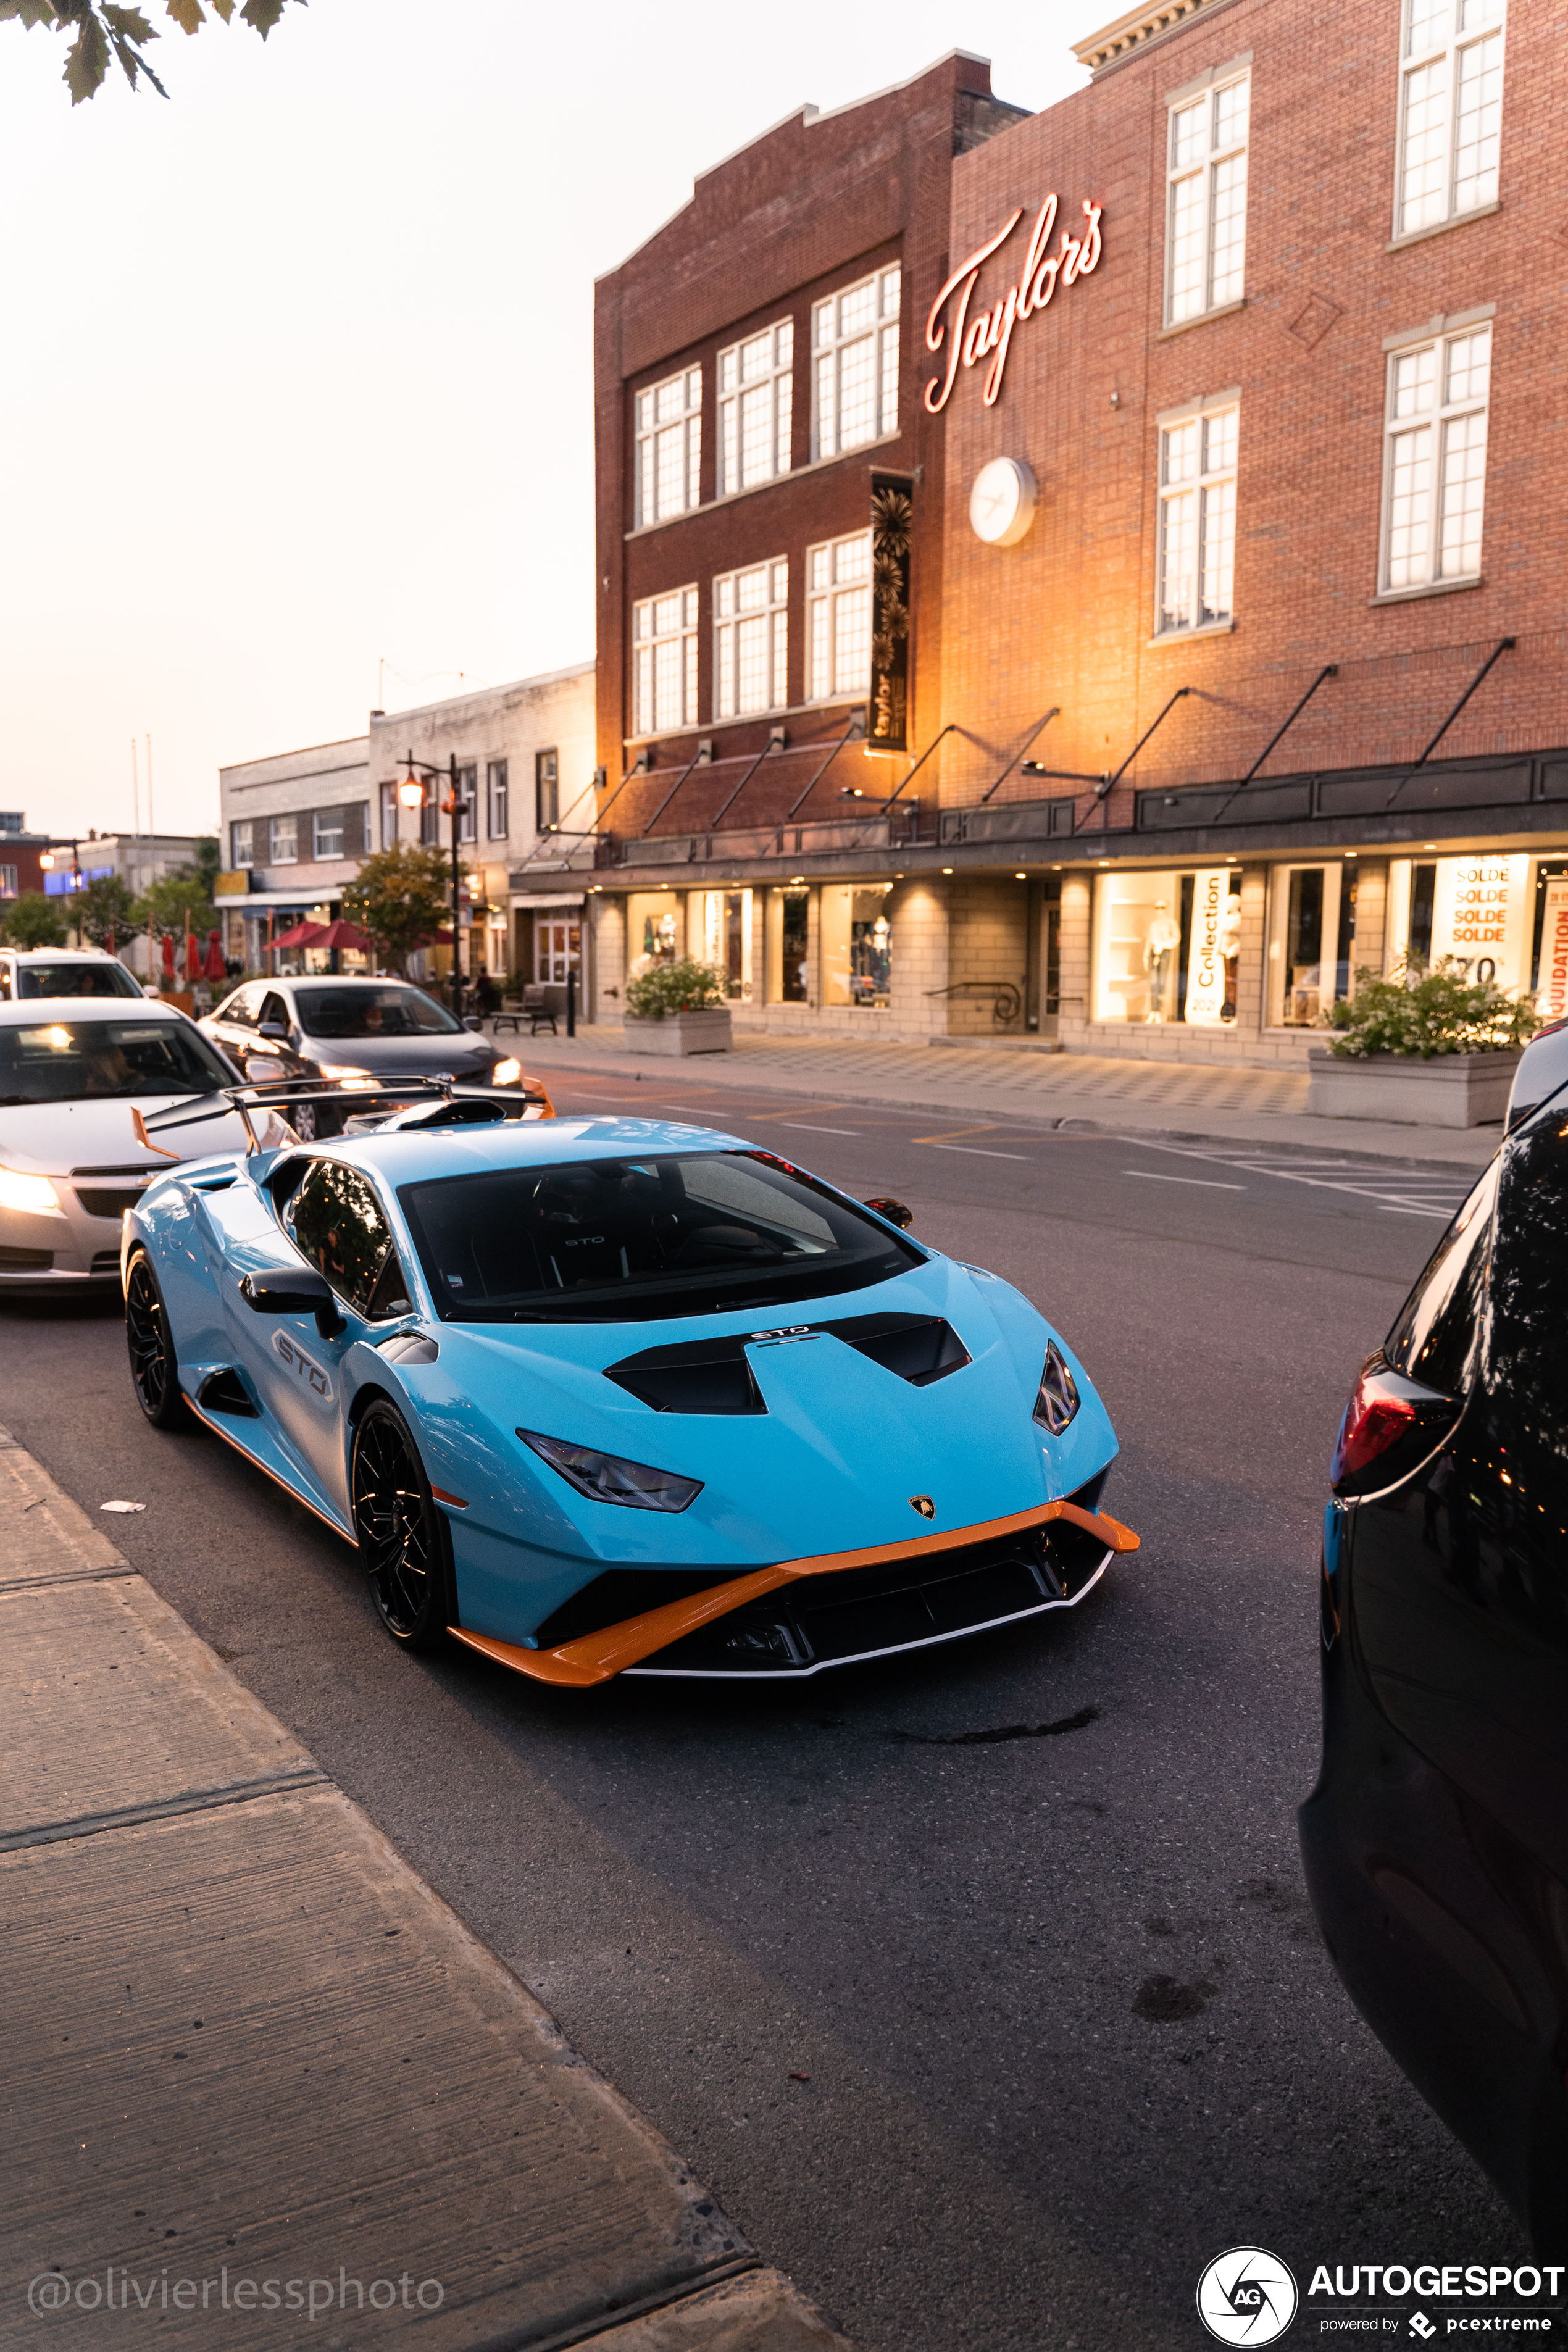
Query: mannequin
point(1228, 943)
point(1164, 938)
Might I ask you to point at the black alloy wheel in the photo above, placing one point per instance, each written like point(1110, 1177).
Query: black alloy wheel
point(153, 1374)
point(400, 1535)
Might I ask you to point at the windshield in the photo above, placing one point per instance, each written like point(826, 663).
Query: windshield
point(390, 1012)
point(70, 1060)
point(105, 979)
point(632, 1240)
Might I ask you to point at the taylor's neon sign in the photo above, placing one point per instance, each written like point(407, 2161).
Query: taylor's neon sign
point(991, 330)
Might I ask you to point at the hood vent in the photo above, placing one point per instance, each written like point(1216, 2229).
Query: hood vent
point(715, 1376)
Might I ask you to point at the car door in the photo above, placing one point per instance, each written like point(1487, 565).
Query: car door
point(233, 1025)
point(335, 1222)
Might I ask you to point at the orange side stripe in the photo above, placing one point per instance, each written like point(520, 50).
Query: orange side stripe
point(596, 1657)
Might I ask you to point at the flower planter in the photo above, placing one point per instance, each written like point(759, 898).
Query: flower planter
point(708, 1032)
point(1450, 1090)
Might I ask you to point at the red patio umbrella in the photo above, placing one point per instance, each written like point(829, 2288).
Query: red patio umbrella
point(213, 966)
point(303, 935)
point(341, 934)
point(193, 958)
point(168, 956)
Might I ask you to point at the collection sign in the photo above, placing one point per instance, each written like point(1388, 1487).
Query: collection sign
point(990, 331)
point(892, 513)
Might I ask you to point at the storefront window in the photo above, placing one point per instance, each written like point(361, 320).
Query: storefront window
point(789, 931)
point(726, 938)
point(1549, 958)
point(1311, 945)
point(653, 930)
point(557, 946)
point(1480, 909)
point(1168, 946)
point(856, 947)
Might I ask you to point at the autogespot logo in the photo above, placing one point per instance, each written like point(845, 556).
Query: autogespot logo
point(1247, 2296)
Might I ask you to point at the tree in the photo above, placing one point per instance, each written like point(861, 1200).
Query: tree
point(105, 912)
point(168, 901)
point(402, 897)
point(34, 922)
point(105, 32)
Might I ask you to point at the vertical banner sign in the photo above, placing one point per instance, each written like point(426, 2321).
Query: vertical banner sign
point(1479, 916)
point(1205, 954)
point(1551, 1002)
point(892, 515)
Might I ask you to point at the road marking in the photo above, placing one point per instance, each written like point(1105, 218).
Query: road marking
point(1391, 1209)
point(1413, 1197)
point(973, 1149)
point(804, 1126)
point(1205, 1183)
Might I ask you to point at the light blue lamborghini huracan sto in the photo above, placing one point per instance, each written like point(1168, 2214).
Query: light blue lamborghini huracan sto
point(602, 1396)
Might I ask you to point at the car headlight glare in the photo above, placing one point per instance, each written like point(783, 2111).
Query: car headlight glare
point(34, 1195)
point(1058, 1398)
point(506, 1074)
point(606, 1479)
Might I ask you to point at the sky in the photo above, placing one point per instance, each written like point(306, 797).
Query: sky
point(296, 400)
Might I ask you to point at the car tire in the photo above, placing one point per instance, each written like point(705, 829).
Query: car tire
point(401, 1536)
point(154, 1373)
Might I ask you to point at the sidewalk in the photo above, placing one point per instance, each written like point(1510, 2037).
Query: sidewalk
point(1086, 1091)
point(262, 2088)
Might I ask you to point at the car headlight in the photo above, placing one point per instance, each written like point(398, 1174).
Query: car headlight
point(343, 1070)
point(606, 1479)
point(1058, 1398)
point(34, 1195)
point(506, 1074)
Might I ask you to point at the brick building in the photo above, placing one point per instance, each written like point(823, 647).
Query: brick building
point(1228, 410)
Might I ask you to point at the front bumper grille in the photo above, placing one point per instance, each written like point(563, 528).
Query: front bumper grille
point(824, 1620)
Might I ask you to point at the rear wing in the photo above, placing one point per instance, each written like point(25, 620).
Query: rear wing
point(443, 1101)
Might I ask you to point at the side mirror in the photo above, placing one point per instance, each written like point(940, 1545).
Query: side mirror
point(270, 1029)
point(472, 1021)
point(301, 1293)
point(894, 1211)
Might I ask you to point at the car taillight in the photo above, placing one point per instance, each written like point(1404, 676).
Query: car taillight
point(1386, 1409)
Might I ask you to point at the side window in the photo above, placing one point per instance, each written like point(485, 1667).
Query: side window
point(274, 1009)
point(1527, 1324)
point(1434, 1338)
point(340, 1226)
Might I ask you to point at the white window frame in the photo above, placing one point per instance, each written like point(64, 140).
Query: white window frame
point(1432, 69)
point(667, 432)
point(1212, 489)
point(242, 843)
point(826, 594)
point(751, 631)
point(1213, 168)
point(468, 802)
point(498, 795)
point(755, 387)
point(322, 834)
point(832, 345)
point(1439, 418)
point(664, 694)
point(7, 881)
point(283, 841)
point(389, 808)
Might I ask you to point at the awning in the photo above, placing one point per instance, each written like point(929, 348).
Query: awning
point(256, 902)
point(547, 897)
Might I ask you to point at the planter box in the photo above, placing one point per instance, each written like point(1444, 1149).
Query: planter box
point(708, 1032)
point(1450, 1090)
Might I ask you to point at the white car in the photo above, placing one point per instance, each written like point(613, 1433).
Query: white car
point(76, 1086)
point(32, 972)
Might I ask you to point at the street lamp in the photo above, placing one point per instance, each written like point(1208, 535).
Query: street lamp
point(411, 792)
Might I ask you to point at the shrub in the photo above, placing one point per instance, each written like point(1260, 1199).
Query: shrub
point(684, 987)
point(1415, 1011)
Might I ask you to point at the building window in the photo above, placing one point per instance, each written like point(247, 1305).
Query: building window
point(557, 946)
point(242, 844)
point(669, 422)
point(1167, 947)
point(664, 663)
point(838, 618)
point(1450, 111)
point(1205, 205)
point(855, 365)
point(430, 814)
point(285, 841)
point(388, 815)
point(727, 940)
point(328, 833)
point(468, 803)
point(1197, 521)
point(496, 800)
point(751, 640)
point(856, 947)
point(7, 881)
point(1434, 460)
point(756, 395)
point(546, 791)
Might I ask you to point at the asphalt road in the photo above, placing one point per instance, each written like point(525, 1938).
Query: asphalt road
point(1068, 2026)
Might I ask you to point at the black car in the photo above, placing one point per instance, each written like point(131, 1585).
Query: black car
point(319, 1027)
point(1435, 1841)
